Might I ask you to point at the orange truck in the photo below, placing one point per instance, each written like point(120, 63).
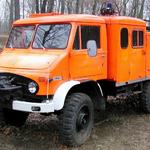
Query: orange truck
point(68, 65)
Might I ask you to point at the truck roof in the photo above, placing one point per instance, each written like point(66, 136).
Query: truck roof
point(47, 18)
point(41, 19)
point(124, 20)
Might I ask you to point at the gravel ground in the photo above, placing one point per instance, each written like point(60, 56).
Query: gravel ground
point(123, 129)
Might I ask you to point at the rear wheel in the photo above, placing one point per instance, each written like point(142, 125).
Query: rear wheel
point(145, 98)
point(76, 121)
point(13, 117)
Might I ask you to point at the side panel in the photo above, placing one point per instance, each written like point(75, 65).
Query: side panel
point(125, 65)
point(118, 58)
point(112, 45)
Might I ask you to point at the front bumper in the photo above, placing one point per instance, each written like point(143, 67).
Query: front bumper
point(44, 107)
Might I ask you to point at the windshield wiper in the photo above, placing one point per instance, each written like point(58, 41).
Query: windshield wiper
point(11, 46)
point(43, 46)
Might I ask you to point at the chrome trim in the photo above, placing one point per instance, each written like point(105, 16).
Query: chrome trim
point(100, 89)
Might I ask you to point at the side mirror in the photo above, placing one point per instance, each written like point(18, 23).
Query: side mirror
point(92, 48)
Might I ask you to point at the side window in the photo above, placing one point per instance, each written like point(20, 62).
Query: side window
point(90, 33)
point(137, 38)
point(76, 45)
point(134, 38)
point(124, 38)
point(141, 38)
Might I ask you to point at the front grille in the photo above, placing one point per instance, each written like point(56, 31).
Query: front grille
point(9, 80)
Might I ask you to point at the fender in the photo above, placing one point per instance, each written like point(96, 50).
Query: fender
point(61, 93)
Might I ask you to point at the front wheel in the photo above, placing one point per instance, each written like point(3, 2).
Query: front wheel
point(76, 121)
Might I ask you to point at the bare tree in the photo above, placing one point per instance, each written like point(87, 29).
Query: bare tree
point(17, 9)
point(141, 11)
point(10, 5)
point(37, 7)
point(51, 5)
point(62, 6)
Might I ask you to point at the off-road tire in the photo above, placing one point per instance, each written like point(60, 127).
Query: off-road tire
point(76, 120)
point(145, 98)
point(14, 118)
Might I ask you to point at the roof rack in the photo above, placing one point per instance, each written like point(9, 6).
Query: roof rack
point(44, 14)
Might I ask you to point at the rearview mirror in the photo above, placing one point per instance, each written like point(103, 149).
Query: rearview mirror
point(92, 48)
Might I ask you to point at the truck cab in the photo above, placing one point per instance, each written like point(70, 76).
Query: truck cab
point(45, 52)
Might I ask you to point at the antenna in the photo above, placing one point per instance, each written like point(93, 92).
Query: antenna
point(107, 9)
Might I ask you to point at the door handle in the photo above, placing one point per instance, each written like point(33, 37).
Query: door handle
point(103, 55)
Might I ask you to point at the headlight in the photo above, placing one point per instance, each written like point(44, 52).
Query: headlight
point(32, 87)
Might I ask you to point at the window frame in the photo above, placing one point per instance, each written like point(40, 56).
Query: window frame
point(80, 35)
point(51, 48)
point(77, 29)
point(138, 38)
point(121, 37)
point(142, 39)
point(22, 25)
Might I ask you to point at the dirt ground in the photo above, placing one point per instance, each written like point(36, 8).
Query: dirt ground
point(124, 128)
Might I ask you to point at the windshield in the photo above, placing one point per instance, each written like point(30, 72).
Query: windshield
point(53, 36)
point(20, 37)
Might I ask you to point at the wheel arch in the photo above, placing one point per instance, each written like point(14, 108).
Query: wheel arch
point(91, 88)
point(61, 93)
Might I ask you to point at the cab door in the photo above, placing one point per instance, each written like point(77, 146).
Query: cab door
point(82, 65)
point(137, 56)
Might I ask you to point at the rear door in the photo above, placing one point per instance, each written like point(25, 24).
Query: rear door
point(137, 56)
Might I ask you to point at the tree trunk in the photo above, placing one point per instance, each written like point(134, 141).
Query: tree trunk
point(135, 8)
point(69, 8)
point(62, 6)
point(124, 7)
point(140, 15)
point(17, 9)
point(11, 12)
point(37, 6)
point(94, 7)
point(43, 8)
point(50, 5)
point(82, 7)
point(77, 6)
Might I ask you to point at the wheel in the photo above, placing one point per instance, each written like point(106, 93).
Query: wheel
point(76, 121)
point(15, 118)
point(145, 98)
